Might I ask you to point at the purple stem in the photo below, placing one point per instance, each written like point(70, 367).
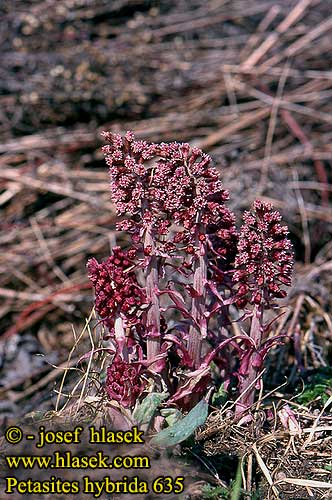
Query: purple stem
point(256, 334)
point(121, 337)
point(153, 313)
point(196, 335)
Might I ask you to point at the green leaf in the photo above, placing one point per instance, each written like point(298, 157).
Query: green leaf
point(183, 428)
point(171, 415)
point(34, 416)
point(145, 411)
point(219, 397)
point(237, 483)
point(214, 492)
point(314, 392)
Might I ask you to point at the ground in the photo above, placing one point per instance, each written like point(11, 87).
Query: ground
point(248, 82)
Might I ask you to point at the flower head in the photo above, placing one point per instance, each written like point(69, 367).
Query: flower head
point(123, 382)
point(264, 260)
point(116, 288)
point(157, 185)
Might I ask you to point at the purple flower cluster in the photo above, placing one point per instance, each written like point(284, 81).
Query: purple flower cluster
point(123, 382)
point(157, 185)
point(190, 259)
point(117, 292)
point(129, 173)
point(264, 261)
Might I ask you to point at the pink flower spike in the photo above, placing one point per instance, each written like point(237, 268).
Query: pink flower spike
point(289, 421)
point(264, 258)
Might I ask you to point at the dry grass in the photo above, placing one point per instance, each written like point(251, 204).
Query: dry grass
point(251, 83)
point(287, 461)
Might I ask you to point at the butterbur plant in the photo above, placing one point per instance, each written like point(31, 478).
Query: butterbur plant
point(167, 301)
point(264, 262)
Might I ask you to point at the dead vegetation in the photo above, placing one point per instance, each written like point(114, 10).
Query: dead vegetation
point(286, 463)
point(250, 82)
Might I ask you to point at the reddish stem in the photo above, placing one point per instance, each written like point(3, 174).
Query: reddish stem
point(256, 334)
point(197, 334)
point(121, 337)
point(153, 313)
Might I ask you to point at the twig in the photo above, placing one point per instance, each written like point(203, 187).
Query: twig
point(295, 14)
